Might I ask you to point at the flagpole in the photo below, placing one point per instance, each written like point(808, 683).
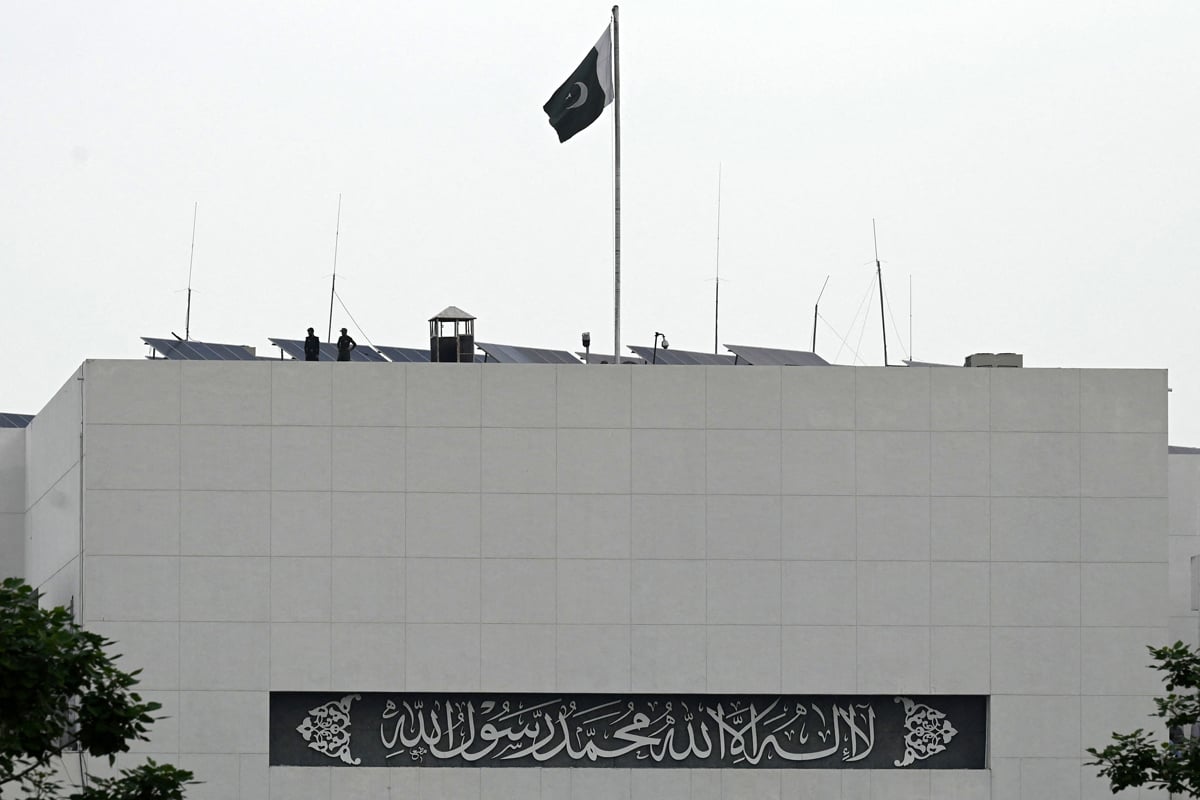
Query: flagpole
point(616, 190)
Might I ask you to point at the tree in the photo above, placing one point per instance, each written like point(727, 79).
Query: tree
point(1138, 759)
point(60, 692)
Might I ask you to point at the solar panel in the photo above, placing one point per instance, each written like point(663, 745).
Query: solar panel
point(511, 354)
point(200, 351)
point(15, 420)
point(289, 347)
point(908, 363)
point(603, 358)
point(295, 349)
point(411, 355)
point(774, 357)
point(681, 357)
point(405, 355)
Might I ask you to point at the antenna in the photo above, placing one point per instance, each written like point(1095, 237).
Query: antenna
point(717, 279)
point(816, 305)
point(912, 354)
point(879, 273)
point(333, 285)
point(187, 320)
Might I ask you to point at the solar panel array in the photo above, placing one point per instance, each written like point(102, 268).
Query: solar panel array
point(15, 420)
point(411, 355)
point(774, 357)
point(494, 353)
point(200, 351)
point(681, 357)
point(511, 354)
point(405, 355)
point(329, 352)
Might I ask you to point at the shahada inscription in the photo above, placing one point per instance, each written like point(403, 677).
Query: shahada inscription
point(378, 729)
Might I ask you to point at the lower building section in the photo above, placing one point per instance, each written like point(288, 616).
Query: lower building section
point(489, 581)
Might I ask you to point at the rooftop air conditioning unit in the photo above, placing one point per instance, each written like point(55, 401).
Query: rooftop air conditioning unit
point(994, 360)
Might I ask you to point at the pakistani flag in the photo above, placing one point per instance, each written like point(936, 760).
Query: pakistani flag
point(583, 96)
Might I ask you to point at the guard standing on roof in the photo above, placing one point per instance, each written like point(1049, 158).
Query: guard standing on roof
point(312, 347)
point(345, 344)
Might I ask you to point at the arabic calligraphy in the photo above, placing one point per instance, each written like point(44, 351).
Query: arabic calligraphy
point(741, 732)
point(830, 732)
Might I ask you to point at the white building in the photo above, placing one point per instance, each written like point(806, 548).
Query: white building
point(246, 529)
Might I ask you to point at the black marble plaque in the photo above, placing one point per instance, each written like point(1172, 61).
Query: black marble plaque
point(378, 729)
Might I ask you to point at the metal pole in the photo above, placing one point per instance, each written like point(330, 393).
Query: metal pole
point(816, 306)
point(717, 278)
point(879, 274)
point(333, 284)
point(187, 320)
point(616, 188)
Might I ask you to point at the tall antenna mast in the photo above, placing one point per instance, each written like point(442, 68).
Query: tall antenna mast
point(717, 279)
point(333, 285)
point(879, 273)
point(816, 305)
point(187, 320)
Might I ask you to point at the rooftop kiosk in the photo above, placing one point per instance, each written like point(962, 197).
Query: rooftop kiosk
point(452, 336)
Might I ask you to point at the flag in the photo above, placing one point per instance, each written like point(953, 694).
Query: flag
point(583, 96)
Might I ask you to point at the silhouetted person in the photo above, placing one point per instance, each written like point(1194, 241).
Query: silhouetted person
point(312, 347)
point(345, 345)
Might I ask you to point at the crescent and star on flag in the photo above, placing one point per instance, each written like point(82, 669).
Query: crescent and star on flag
point(582, 95)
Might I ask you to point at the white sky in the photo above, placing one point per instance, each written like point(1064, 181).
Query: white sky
point(1031, 165)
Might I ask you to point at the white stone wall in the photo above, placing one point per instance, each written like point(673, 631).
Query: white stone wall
point(12, 503)
point(52, 492)
point(354, 527)
point(1184, 542)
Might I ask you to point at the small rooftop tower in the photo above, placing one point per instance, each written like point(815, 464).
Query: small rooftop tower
point(452, 336)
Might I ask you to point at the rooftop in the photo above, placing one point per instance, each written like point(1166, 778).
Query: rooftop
point(489, 352)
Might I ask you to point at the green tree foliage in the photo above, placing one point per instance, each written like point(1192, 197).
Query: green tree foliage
point(1139, 759)
point(61, 693)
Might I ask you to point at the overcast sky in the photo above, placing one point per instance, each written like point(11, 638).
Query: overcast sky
point(1032, 169)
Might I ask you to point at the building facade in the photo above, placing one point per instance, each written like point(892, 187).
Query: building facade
point(250, 530)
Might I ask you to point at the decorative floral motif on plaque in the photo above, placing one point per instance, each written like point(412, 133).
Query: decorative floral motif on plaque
point(327, 729)
point(927, 731)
